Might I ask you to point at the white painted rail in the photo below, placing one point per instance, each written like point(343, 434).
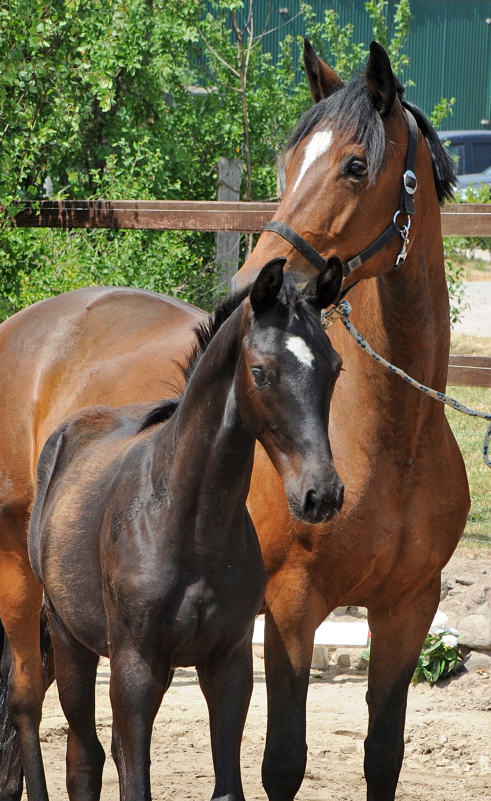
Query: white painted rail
point(329, 633)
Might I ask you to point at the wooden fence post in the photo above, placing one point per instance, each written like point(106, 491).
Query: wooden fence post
point(227, 242)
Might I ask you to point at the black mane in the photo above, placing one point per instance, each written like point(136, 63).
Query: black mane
point(289, 294)
point(350, 110)
point(443, 164)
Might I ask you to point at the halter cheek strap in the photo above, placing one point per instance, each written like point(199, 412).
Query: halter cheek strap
point(406, 208)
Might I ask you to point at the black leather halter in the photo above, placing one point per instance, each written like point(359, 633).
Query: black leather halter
point(406, 208)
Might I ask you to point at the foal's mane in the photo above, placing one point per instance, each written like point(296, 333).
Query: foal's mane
point(350, 112)
point(205, 332)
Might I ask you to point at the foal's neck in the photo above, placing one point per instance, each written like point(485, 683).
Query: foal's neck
point(207, 454)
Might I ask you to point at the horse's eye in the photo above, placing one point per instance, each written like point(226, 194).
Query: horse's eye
point(356, 168)
point(258, 376)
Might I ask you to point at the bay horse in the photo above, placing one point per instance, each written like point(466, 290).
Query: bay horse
point(364, 166)
point(141, 537)
point(406, 492)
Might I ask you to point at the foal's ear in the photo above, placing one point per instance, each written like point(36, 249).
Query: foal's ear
point(323, 81)
point(267, 285)
point(323, 289)
point(380, 79)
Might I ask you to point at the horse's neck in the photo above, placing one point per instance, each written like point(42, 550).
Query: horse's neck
point(207, 454)
point(404, 316)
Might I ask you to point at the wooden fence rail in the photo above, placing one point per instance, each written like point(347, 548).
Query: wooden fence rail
point(464, 219)
point(468, 219)
point(469, 371)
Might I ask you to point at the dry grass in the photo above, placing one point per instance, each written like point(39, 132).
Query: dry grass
point(469, 433)
point(469, 345)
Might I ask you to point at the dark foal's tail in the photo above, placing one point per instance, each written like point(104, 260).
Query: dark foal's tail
point(11, 773)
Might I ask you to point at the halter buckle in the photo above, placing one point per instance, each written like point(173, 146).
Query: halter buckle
point(328, 318)
point(410, 182)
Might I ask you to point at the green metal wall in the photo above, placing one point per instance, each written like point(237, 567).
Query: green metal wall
point(449, 49)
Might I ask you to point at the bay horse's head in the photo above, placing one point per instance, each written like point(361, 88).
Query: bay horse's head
point(285, 377)
point(353, 162)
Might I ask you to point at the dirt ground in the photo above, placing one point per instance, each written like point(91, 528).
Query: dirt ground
point(448, 734)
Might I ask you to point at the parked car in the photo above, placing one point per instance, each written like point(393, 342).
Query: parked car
point(470, 149)
point(473, 180)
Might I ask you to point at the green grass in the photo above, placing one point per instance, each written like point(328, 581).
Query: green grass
point(469, 433)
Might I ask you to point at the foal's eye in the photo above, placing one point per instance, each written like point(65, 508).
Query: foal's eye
point(258, 376)
point(357, 168)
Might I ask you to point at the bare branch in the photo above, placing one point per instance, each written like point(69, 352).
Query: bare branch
point(213, 77)
point(272, 30)
point(217, 56)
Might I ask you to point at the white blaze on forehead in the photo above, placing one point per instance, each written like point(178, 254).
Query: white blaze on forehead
point(316, 147)
point(301, 350)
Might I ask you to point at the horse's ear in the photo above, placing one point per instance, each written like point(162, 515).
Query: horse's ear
point(267, 285)
point(380, 79)
point(323, 289)
point(323, 81)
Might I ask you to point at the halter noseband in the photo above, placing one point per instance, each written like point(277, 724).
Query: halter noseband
point(406, 207)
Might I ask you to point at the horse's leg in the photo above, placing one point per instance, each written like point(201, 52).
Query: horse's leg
point(136, 696)
point(397, 640)
point(11, 773)
point(227, 687)
point(76, 669)
point(293, 612)
point(20, 605)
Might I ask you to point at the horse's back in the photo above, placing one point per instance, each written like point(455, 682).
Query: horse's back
point(100, 345)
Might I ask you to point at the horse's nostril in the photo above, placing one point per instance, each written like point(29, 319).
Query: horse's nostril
point(311, 502)
point(339, 498)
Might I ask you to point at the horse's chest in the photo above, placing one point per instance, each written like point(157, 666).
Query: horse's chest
point(179, 615)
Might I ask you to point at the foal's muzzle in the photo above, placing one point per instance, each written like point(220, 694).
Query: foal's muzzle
point(319, 505)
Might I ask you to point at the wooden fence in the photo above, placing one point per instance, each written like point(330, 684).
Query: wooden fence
point(467, 219)
point(464, 219)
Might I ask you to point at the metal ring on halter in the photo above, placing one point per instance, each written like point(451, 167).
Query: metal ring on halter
point(403, 227)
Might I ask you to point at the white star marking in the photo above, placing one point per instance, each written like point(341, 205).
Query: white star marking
point(301, 350)
point(316, 147)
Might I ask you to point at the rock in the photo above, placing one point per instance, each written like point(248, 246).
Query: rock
point(466, 580)
point(344, 660)
point(475, 595)
point(478, 660)
point(322, 657)
point(444, 589)
point(475, 631)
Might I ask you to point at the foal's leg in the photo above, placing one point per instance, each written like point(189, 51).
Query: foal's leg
point(76, 668)
point(397, 640)
point(293, 612)
point(136, 696)
point(227, 687)
point(20, 605)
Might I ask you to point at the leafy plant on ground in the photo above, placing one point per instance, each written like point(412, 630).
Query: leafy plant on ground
point(440, 653)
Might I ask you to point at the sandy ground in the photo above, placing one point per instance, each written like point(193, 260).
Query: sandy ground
point(448, 751)
point(476, 317)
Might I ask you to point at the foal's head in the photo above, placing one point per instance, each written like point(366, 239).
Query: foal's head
point(285, 377)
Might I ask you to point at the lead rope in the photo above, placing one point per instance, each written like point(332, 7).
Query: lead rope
point(342, 312)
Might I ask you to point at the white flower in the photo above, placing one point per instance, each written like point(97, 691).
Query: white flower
point(440, 623)
point(449, 641)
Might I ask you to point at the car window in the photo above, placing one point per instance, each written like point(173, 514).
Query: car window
point(481, 156)
point(456, 153)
